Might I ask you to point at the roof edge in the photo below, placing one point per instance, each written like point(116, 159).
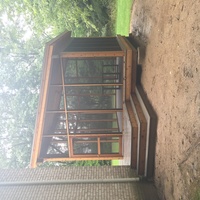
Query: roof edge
point(48, 52)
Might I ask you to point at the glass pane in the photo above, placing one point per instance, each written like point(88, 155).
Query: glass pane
point(54, 123)
point(101, 70)
point(109, 145)
point(58, 148)
point(80, 123)
point(85, 145)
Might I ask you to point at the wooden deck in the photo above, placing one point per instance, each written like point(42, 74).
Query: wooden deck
point(151, 118)
point(140, 114)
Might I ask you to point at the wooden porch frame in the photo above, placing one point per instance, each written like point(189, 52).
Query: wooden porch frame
point(51, 53)
point(114, 157)
point(98, 146)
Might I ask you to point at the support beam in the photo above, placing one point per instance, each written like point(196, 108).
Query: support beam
point(86, 111)
point(92, 54)
point(89, 84)
point(65, 107)
point(87, 135)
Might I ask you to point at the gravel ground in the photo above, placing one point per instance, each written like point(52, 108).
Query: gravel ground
point(169, 35)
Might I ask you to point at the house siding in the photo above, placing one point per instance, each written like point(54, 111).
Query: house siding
point(104, 191)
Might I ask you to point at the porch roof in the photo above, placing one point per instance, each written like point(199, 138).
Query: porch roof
point(52, 47)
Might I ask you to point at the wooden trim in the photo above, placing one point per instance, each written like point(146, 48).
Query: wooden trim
point(96, 155)
point(88, 155)
point(86, 111)
point(99, 146)
point(71, 147)
point(49, 49)
point(41, 107)
point(95, 111)
point(117, 157)
point(110, 141)
point(110, 155)
point(96, 135)
point(98, 129)
point(85, 135)
point(91, 54)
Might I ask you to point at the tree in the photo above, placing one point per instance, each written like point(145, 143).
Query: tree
point(21, 59)
point(25, 28)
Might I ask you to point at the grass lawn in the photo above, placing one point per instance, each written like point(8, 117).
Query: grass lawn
point(123, 16)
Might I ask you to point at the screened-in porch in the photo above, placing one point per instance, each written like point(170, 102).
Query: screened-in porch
point(90, 107)
point(85, 84)
point(84, 109)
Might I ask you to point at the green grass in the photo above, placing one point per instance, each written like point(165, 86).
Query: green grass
point(123, 16)
point(197, 195)
point(115, 163)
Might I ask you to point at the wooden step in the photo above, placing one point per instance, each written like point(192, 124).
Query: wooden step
point(142, 135)
point(141, 114)
point(151, 118)
point(134, 139)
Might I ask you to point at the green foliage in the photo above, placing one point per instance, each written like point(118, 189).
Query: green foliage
point(83, 17)
point(20, 75)
point(93, 163)
point(25, 28)
point(77, 163)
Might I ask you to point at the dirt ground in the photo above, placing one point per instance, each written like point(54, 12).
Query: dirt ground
point(169, 34)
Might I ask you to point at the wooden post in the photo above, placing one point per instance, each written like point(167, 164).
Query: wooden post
point(65, 107)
